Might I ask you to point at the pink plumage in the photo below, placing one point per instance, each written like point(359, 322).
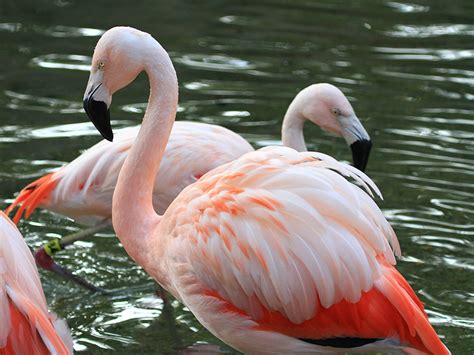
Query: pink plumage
point(278, 247)
point(83, 188)
point(26, 326)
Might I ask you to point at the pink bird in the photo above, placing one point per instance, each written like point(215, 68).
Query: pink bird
point(275, 252)
point(26, 326)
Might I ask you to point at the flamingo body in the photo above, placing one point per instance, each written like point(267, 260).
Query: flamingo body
point(276, 252)
point(83, 189)
point(26, 326)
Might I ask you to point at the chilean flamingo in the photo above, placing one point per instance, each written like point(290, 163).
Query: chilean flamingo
point(275, 252)
point(26, 326)
point(83, 189)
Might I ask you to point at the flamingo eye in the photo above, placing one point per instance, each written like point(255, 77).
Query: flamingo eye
point(336, 111)
point(100, 65)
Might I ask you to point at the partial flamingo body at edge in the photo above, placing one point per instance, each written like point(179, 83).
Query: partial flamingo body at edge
point(26, 326)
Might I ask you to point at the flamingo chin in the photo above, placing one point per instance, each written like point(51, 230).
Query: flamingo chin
point(276, 251)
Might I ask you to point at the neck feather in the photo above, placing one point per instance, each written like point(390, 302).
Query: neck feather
point(134, 218)
point(292, 129)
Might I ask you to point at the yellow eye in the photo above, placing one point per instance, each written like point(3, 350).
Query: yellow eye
point(100, 65)
point(336, 111)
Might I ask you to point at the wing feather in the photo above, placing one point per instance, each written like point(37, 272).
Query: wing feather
point(284, 230)
point(83, 189)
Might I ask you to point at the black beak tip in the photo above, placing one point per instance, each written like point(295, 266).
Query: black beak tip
point(360, 153)
point(107, 134)
point(99, 115)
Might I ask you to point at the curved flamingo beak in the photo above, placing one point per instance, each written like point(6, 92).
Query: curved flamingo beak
point(98, 113)
point(360, 153)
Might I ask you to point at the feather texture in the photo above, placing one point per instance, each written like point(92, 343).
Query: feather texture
point(26, 327)
point(283, 238)
point(83, 189)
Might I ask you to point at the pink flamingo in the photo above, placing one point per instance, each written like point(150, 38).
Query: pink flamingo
point(275, 252)
point(26, 326)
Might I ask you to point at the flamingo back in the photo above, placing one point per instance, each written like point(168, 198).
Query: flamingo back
point(26, 326)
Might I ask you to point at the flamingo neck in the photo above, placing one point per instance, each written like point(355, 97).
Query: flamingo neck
point(133, 216)
point(292, 129)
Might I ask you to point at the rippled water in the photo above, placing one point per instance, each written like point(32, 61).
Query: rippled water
point(407, 67)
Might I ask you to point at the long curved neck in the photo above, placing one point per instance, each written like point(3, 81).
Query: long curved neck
point(133, 216)
point(292, 128)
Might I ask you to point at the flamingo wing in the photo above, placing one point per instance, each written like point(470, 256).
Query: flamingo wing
point(283, 238)
point(26, 326)
point(83, 189)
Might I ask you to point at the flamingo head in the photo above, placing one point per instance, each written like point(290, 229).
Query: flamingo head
point(120, 55)
point(326, 106)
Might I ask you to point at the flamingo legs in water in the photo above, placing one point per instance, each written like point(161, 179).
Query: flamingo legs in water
point(44, 259)
point(44, 255)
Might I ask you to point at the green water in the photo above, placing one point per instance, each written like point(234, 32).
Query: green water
point(408, 69)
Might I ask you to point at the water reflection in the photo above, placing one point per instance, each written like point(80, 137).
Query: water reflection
point(414, 31)
point(10, 27)
point(59, 31)
point(26, 102)
point(424, 54)
point(66, 130)
point(72, 32)
point(221, 63)
point(465, 207)
point(407, 7)
point(63, 61)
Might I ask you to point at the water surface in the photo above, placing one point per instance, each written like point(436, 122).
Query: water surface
point(406, 67)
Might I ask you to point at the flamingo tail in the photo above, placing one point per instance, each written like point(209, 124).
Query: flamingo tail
point(32, 196)
point(32, 331)
point(399, 293)
point(389, 311)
